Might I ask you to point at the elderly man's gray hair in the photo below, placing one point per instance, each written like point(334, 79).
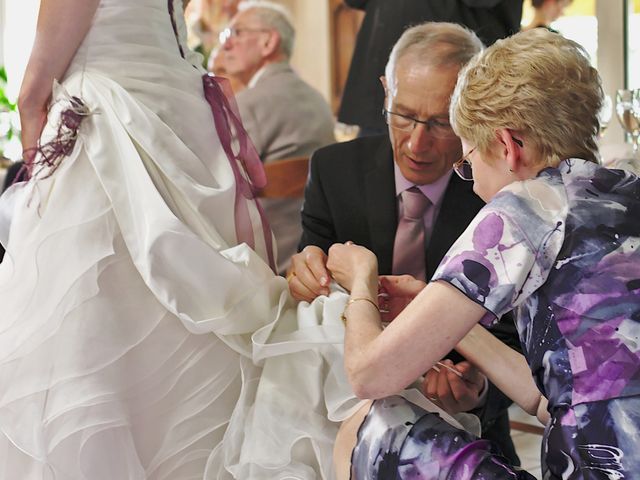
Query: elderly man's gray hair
point(434, 44)
point(275, 16)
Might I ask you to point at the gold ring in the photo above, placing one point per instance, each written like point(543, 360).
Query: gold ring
point(290, 275)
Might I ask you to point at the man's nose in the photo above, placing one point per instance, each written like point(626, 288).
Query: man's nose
point(228, 43)
point(420, 138)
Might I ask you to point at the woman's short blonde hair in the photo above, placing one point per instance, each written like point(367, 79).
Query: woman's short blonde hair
point(535, 83)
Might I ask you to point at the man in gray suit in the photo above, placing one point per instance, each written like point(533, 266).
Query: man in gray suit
point(285, 116)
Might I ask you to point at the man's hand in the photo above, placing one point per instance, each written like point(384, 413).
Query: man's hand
point(453, 393)
point(308, 276)
point(395, 293)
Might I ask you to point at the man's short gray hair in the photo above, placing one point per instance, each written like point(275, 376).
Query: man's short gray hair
point(275, 16)
point(435, 44)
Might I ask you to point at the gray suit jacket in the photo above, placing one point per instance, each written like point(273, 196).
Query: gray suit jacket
point(285, 117)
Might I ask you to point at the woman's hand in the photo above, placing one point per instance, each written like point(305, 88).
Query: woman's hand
point(350, 264)
point(62, 25)
point(32, 122)
point(395, 293)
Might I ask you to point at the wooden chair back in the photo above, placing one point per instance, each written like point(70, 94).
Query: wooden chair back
point(286, 178)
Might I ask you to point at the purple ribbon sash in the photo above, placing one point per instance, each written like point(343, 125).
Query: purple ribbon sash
point(246, 164)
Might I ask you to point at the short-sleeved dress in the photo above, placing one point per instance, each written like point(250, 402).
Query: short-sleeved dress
point(562, 251)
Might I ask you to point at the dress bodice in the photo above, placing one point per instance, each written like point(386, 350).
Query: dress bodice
point(120, 45)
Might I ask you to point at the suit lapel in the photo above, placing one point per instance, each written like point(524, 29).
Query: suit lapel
point(381, 205)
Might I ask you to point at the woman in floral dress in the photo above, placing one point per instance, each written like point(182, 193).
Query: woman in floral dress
point(557, 242)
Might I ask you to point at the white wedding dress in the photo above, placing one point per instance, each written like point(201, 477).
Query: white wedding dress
point(139, 339)
point(126, 305)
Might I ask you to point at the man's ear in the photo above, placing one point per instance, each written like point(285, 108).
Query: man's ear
point(271, 44)
point(383, 81)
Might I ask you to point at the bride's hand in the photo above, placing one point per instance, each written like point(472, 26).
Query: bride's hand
point(396, 292)
point(32, 122)
point(349, 263)
point(62, 25)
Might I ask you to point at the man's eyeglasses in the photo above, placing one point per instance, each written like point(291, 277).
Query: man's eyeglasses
point(235, 32)
point(436, 127)
point(463, 166)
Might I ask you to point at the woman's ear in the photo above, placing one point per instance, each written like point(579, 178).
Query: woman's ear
point(511, 149)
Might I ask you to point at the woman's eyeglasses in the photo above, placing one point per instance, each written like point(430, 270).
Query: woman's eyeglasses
point(463, 166)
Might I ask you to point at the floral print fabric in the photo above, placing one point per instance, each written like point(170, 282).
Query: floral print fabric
point(562, 251)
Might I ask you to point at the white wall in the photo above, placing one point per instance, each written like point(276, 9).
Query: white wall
point(2, 23)
point(20, 18)
point(611, 59)
point(311, 55)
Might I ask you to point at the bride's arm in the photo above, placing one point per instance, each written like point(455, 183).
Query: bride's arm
point(62, 25)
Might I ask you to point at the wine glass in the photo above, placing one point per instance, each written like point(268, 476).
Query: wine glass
point(628, 111)
point(604, 115)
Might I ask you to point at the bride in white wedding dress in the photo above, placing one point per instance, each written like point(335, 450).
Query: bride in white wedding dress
point(137, 271)
point(143, 334)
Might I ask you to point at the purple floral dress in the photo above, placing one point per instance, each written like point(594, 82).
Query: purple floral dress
point(562, 250)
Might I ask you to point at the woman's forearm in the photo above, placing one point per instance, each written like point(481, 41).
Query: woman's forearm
point(362, 327)
point(379, 363)
point(62, 25)
point(505, 368)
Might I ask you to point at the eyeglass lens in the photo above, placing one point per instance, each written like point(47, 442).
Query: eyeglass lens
point(464, 170)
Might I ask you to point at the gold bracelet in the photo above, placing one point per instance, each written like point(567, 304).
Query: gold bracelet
point(343, 317)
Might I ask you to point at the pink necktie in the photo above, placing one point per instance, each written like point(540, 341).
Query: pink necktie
point(409, 245)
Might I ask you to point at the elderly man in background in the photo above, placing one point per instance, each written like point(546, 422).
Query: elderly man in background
point(395, 194)
point(285, 116)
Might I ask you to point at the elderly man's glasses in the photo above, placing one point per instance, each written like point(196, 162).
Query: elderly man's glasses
point(235, 32)
point(437, 127)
